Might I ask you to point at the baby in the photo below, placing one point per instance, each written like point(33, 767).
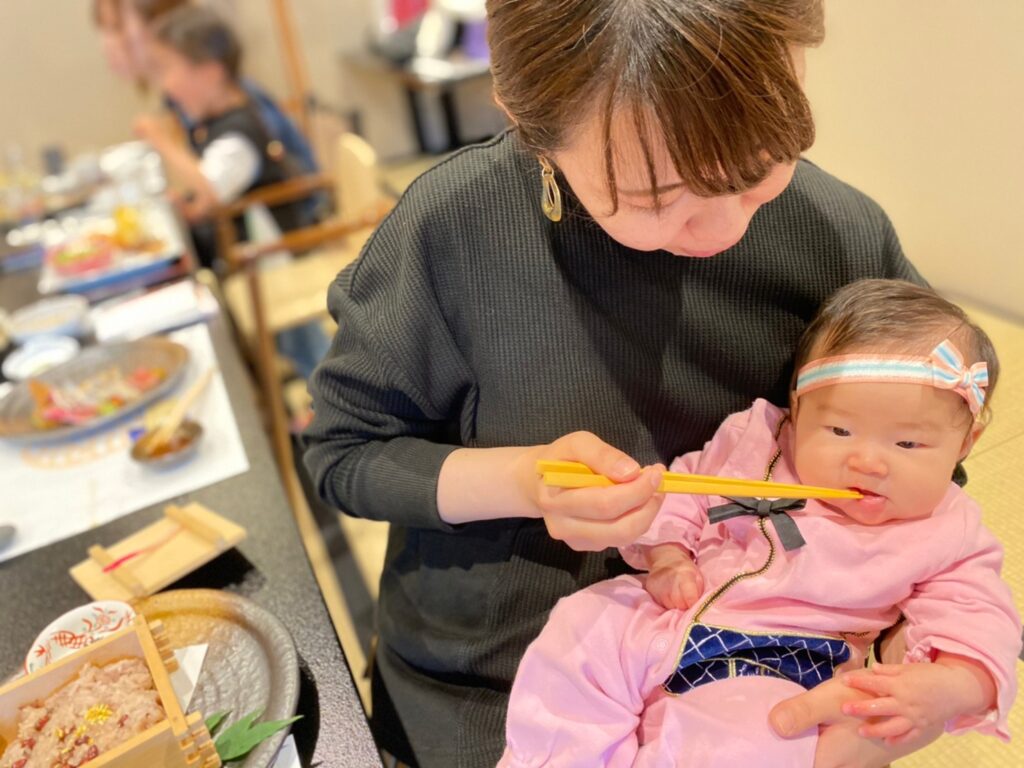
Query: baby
point(750, 601)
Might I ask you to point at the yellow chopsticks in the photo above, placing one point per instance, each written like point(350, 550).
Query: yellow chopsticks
point(572, 474)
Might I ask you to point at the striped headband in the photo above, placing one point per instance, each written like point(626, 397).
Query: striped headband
point(943, 369)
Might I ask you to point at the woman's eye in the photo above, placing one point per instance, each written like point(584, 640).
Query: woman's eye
point(840, 432)
point(908, 444)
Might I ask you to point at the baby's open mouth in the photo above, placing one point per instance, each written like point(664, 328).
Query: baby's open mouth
point(865, 492)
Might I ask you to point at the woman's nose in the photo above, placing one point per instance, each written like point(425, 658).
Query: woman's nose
point(721, 221)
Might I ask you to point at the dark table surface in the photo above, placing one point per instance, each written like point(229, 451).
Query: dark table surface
point(270, 567)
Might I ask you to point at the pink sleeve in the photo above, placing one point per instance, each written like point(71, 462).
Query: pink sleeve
point(682, 516)
point(967, 609)
point(579, 692)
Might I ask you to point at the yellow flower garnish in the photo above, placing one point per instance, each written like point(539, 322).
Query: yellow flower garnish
point(98, 714)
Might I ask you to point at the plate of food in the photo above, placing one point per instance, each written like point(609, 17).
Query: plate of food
point(112, 701)
point(131, 241)
point(98, 387)
point(251, 663)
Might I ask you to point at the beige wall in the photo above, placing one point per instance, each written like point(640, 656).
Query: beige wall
point(54, 85)
point(920, 103)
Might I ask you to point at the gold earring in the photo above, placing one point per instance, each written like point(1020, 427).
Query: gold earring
point(551, 196)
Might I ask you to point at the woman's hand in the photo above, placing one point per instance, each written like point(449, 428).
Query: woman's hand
point(673, 580)
point(840, 744)
point(592, 519)
point(909, 700)
point(493, 483)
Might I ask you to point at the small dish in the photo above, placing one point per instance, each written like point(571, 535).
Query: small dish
point(182, 445)
point(38, 355)
point(76, 629)
point(59, 316)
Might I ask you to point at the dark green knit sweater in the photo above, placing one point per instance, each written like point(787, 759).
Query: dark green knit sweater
point(471, 320)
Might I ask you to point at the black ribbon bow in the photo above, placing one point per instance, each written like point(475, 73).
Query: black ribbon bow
point(775, 510)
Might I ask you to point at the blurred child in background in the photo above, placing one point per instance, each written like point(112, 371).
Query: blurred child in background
point(193, 58)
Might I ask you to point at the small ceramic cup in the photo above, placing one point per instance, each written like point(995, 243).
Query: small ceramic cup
point(76, 629)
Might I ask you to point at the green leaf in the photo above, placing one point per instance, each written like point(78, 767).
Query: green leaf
point(242, 737)
point(213, 722)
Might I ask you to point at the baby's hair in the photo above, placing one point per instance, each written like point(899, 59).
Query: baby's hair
point(894, 317)
point(200, 35)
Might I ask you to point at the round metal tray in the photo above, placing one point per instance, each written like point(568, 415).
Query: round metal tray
point(17, 407)
point(251, 662)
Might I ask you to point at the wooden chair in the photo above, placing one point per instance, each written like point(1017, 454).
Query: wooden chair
point(260, 308)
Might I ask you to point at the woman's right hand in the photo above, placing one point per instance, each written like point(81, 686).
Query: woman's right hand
point(592, 519)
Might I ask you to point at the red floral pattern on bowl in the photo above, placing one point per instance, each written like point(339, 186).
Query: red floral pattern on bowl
point(76, 629)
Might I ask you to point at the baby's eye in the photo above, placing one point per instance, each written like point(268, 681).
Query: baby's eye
point(908, 444)
point(840, 432)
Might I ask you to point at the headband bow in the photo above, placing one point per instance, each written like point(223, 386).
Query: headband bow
point(951, 373)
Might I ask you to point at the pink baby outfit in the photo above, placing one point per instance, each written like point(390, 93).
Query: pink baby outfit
point(592, 689)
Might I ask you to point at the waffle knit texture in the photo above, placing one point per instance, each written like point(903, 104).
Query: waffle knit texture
point(471, 320)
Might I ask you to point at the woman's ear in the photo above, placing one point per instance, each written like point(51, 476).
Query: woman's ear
point(970, 438)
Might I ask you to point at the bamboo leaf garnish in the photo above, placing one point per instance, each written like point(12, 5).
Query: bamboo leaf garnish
point(240, 739)
point(214, 721)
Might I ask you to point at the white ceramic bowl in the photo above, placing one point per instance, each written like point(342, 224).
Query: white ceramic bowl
point(59, 316)
point(76, 629)
point(39, 355)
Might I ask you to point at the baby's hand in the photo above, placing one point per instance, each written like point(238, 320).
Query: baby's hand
point(674, 580)
point(912, 699)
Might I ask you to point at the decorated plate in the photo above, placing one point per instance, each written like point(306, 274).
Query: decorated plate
point(251, 662)
point(151, 367)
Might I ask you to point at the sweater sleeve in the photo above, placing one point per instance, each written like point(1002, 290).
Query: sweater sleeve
point(392, 394)
point(895, 264)
point(967, 609)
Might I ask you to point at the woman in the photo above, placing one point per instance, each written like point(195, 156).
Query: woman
point(682, 248)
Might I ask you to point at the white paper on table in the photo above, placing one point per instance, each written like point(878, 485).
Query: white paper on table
point(184, 678)
point(287, 755)
point(55, 491)
point(190, 664)
point(133, 317)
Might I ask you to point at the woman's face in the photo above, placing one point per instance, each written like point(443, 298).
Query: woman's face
point(138, 39)
point(112, 41)
point(685, 224)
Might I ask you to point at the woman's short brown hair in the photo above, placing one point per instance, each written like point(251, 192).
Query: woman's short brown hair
point(715, 78)
point(200, 35)
point(894, 317)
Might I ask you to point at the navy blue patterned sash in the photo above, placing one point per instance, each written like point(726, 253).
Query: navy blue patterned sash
point(715, 653)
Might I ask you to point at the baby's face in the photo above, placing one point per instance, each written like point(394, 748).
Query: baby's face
point(897, 444)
